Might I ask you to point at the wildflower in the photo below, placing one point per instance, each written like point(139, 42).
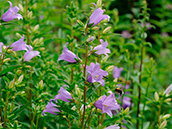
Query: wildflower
point(101, 49)
point(168, 90)
point(126, 34)
point(68, 55)
point(64, 95)
point(51, 108)
point(147, 25)
point(97, 16)
point(96, 74)
point(91, 39)
point(113, 127)
point(117, 72)
point(19, 45)
point(30, 53)
point(107, 104)
point(11, 13)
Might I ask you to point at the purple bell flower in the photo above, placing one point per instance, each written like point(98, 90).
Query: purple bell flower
point(113, 127)
point(11, 13)
point(30, 53)
point(126, 34)
point(51, 108)
point(97, 16)
point(117, 72)
point(95, 73)
point(67, 55)
point(63, 95)
point(19, 45)
point(101, 49)
point(107, 104)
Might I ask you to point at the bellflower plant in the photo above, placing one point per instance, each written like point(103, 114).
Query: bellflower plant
point(51, 108)
point(67, 55)
point(95, 74)
point(19, 45)
point(63, 95)
point(97, 16)
point(11, 13)
point(30, 53)
point(101, 49)
point(117, 72)
point(107, 104)
point(113, 127)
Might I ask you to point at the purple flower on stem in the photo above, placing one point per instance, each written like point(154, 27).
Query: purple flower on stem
point(19, 45)
point(67, 55)
point(97, 16)
point(126, 34)
point(107, 104)
point(96, 74)
point(51, 108)
point(168, 90)
point(113, 127)
point(117, 72)
point(63, 95)
point(30, 53)
point(101, 49)
point(11, 13)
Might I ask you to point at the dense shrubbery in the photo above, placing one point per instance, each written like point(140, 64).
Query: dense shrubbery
point(78, 64)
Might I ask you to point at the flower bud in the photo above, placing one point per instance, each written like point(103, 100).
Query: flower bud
point(91, 39)
point(109, 68)
point(41, 84)
point(106, 30)
point(99, 3)
point(126, 110)
point(29, 15)
point(73, 108)
point(9, 50)
point(36, 28)
point(11, 85)
point(20, 79)
point(18, 72)
point(95, 28)
point(28, 66)
point(156, 96)
point(163, 124)
point(41, 39)
point(167, 100)
point(42, 49)
point(18, 35)
point(36, 41)
point(166, 116)
point(21, 7)
point(6, 60)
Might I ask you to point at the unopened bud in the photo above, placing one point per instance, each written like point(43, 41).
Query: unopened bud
point(156, 96)
point(9, 51)
point(166, 116)
point(73, 108)
point(91, 39)
point(18, 72)
point(11, 85)
point(106, 30)
point(167, 100)
point(41, 39)
point(14, 53)
point(23, 92)
point(95, 28)
point(21, 7)
point(34, 6)
point(110, 68)
point(41, 84)
point(99, 3)
point(36, 41)
point(42, 49)
point(6, 60)
point(36, 28)
point(163, 124)
point(20, 79)
point(115, 80)
point(29, 15)
point(126, 110)
point(28, 66)
point(104, 59)
point(18, 35)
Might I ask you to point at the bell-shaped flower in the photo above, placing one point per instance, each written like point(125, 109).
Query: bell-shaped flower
point(95, 73)
point(113, 127)
point(168, 90)
point(97, 16)
point(101, 49)
point(67, 55)
point(51, 108)
point(63, 95)
point(117, 72)
point(107, 104)
point(11, 13)
point(30, 53)
point(19, 45)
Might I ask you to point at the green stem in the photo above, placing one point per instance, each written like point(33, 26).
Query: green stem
point(72, 49)
point(88, 118)
point(27, 26)
point(5, 109)
point(34, 114)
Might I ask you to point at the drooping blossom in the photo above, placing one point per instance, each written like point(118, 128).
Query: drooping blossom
point(107, 104)
point(51, 108)
point(30, 53)
point(117, 72)
point(19, 45)
point(126, 34)
point(147, 25)
point(95, 73)
point(63, 95)
point(101, 49)
point(1, 45)
point(113, 127)
point(97, 16)
point(67, 55)
point(168, 90)
point(11, 13)
point(91, 39)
